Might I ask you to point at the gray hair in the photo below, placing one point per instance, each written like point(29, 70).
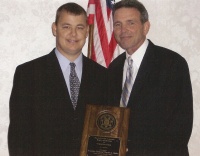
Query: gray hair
point(132, 4)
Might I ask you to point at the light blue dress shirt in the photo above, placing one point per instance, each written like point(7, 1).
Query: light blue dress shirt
point(65, 67)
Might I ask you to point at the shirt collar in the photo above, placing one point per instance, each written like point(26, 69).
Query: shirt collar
point(138, 55)
point(64, 62)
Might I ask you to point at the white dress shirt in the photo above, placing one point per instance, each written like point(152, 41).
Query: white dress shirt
point(137, 57)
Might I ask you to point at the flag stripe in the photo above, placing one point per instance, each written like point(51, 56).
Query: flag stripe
point(102, 31)
point(104, 47)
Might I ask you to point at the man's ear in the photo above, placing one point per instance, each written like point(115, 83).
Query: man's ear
point(54, 27)
point(146, 27)
point(88, 29)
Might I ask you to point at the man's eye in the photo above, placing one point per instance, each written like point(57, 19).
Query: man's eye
point(81, 28)
point(131, 23)
point(66, 27)
point(117, 25)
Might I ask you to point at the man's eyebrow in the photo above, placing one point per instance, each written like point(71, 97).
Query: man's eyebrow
point(66, 24)
point(117, 22)
point(81, 25)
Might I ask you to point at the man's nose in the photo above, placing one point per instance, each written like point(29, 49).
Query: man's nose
point(123, 28)
point(73, 31)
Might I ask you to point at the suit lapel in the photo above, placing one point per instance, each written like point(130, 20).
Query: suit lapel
point(120, 75)
point(147, 66)
point(115, 77)
point(85, 80)
point(56, 79)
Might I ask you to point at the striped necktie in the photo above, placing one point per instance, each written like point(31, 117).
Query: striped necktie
point(74, 85)
point(127, 84)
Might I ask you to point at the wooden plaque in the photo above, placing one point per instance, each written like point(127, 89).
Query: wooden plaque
point(105, 131)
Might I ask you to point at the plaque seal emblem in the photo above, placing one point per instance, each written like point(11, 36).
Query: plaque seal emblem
point(106, 122)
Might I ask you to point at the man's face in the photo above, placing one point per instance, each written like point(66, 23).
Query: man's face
point(129, 31)
point(71, 32)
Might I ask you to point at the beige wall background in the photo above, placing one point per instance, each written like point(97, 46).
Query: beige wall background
point(25, 34)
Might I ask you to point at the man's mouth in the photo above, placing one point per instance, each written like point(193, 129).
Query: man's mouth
point(72, 41)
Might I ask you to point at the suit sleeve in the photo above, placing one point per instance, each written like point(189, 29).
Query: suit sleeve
point(20, 128)
point(180, 127)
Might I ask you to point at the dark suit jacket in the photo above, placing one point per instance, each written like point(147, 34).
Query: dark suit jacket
point(42, 119)
point(160, 102)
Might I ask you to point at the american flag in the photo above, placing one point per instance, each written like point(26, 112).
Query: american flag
point(104, 47)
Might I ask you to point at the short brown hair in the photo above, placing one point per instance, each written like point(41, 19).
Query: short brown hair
point(71, 8)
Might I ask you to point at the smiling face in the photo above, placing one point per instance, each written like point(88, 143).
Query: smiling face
point(129, 31)
point(71, 32)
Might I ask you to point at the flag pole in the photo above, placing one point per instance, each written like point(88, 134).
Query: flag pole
point(90, 40)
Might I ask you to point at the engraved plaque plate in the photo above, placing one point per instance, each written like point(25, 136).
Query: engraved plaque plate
point(103, 146)
point(105, 131)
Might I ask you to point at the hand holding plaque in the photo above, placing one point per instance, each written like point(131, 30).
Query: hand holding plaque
point(105, 131)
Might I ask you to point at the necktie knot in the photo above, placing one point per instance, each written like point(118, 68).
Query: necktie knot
point(72, 65)
point(130, 61)
point(72, 69)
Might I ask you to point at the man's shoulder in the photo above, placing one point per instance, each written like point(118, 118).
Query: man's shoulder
point(89, 63)
point(37, 62)
point(163, 52)
point(118, 61)
point(164, 58)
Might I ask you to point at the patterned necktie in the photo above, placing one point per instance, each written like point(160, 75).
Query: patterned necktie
point(128, 84)
point(74, 85)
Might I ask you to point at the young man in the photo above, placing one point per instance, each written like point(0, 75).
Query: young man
point(152, 81)
point(49, 94)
